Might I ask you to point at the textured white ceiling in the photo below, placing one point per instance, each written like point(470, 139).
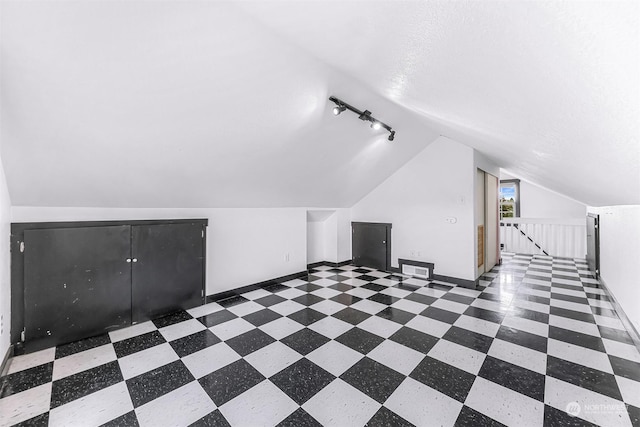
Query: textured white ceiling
point(221, 104)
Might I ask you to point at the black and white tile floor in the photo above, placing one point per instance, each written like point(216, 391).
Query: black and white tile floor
point(538, 344)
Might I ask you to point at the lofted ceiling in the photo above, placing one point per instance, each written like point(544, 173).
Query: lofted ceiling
point(224, 104)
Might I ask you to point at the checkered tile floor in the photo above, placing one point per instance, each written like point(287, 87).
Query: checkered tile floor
point(352, 346)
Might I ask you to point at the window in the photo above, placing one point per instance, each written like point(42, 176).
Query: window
point(510, 198)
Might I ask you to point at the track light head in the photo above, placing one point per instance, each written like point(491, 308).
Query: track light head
point(392, 135)
point(338, 109)
point(362, 115)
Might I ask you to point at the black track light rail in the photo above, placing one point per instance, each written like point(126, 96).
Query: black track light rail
point(362, 115)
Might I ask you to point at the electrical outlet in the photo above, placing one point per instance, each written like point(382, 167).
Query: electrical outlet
point(412, 253)
point(286, 257)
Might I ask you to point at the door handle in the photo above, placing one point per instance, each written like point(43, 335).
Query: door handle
point(384, 241)
point(135, 260)
point(128, 259)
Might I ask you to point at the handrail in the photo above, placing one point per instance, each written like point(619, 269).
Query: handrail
point(565, 237)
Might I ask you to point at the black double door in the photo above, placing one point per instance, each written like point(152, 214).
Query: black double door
point(371, 245)
point(84, 281)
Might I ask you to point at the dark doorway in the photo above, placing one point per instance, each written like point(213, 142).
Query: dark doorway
point(76, 283)
point(593, 243)
point(371, 245)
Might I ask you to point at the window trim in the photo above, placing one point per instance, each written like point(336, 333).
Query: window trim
point(516, 184)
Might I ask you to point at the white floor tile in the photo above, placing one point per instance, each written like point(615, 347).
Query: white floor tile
point(369, 306)
point(529, 305)
point(325, 283)
point(231, 329)
point(630, 391)
point(132, 331)
point(181, 407)
point(399, 357)
point(258, 293)
point(620, 349)
point(294, 283)
point(26, 361)
point(459, 356)
point(287, 307)
point(504, 405)
point(328, 307)
point(94, 409)
point(385, 282)
point(330, 327)
point(355, 282)
point(334, 357)
point(574, 325)
point(340, 405)
point(609, 322)
point(519, 355)
point(594, 407)
point(429, 326)
point(203, 310)
point(422, 405)
point(246, 308)
point(395, 292)
point(379, 326)
point(489, 305)
point(210, 359)
point(273, 358)
point(571, 306)
point(480, 326)
point(360, 292)
point(526, 325)
point(326, 292)
point(82, 361)
point(410, 306)
point(146, 360)
point(282, 327)
point(263, 405)
point(603, 304)
point(579, 294)
point(22, 406)
point(182, 329)
point(431, 292)
point(291, 293)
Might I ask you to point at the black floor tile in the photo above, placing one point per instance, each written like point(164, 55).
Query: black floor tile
point(195, 342)
point(127, 420)
point(81, 384)
point(615, 335)
point(634, 415)
point(270, 300)
point(305, 341)
point(172, 319)
point(469, 417)
point(217, 318)
point(160, 381)
point(514, 377)
point(625, 368)
point(576, 338)
point(554, 417)
point(300, 418)
point(468, 339)
point(212, 419)
point(249, 342)
point(367, 278)
point(582, 376)
point(138, 343)
point(307, 316)
point(278, 287)
point(308, 299)
point(373, 379)
point(309, 287)
point(374, 287)
point(407, 287)
point(522, 338)
point(416, 340)
point(422, 299)
point(361, 270)
point(82, 345)
point(342, 287)
point(571, 314)
point(351, 315)
point(302, 380)
point(237, 299)
point(345, 299)
point(262, 317)
point(532, 298)
point(26, 379)
point(462, 299)
point(383, 299)
point(570, 298)
point(600, 311)
point(488, 315)
point(577, 287)
point(396, 315)
point(447, 379)
point(360, 340)
point(441, 315)
point(536, 316)
point(230, 381)
point(386, 418)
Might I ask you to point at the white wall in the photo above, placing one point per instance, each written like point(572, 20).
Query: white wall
point(5, 275)
point(244, 246)
point(344, 234)
point(620, 254)
point(538, 202)
point(315, 241)
point(435, 185)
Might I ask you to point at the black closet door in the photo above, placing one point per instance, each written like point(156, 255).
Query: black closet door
point(167, 272)
point(77, 283)
point(371, 245)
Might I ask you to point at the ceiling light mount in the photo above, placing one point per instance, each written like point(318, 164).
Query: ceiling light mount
point(362, 115)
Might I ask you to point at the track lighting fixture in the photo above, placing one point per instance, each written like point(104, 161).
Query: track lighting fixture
point(362, 115)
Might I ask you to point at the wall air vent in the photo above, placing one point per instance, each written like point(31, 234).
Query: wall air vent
point(420, 272)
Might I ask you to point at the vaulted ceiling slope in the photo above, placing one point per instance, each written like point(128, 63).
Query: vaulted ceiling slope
point(224, 104)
